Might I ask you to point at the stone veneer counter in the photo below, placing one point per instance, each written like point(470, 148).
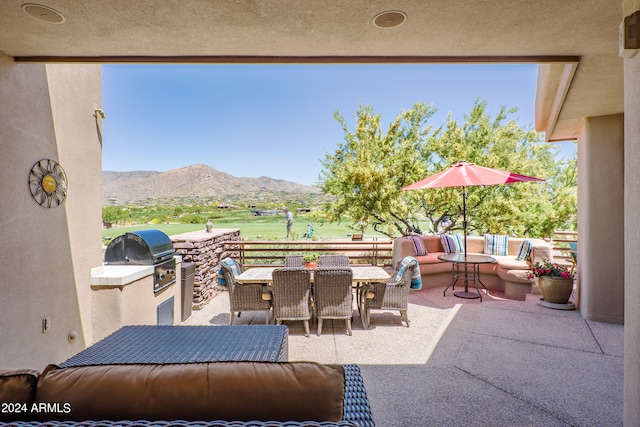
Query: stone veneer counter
point(205, 250)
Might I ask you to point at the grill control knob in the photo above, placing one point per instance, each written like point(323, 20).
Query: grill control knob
point(171, 272)
point(160, 276)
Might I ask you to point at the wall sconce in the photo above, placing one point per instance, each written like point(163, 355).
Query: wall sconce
point(99, 115)
point(630, 35)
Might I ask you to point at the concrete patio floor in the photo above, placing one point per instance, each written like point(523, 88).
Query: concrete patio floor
point(469, 363)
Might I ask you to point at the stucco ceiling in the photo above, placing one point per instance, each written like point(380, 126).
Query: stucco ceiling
point(543, 31)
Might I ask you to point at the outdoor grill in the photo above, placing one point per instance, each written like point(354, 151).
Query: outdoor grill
point(145, 247)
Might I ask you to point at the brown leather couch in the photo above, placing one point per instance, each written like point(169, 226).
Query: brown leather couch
point(305, 392)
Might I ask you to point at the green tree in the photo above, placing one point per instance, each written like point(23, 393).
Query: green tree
point(564, 187)
point(531, 208)
point(114, 214)
point(177, 211)
point(366, 172)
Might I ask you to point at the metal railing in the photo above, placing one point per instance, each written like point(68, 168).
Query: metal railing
point(257, 253)
point(560, 245)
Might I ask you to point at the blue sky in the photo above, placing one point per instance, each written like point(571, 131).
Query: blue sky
point(277, 120)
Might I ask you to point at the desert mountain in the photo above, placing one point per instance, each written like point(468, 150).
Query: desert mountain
point(191, 181)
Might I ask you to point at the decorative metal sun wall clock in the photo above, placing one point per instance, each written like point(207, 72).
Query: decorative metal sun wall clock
point(48, 183)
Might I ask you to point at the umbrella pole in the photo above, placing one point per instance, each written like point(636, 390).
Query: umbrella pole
point(464, 218)
point(466, 293)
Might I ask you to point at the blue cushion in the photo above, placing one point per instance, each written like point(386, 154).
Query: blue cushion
point(452, 243)
point(525, 250)
point(496, 244)
point(410, 263)
point(221, 280)
point(234, 269)
point(574, 251)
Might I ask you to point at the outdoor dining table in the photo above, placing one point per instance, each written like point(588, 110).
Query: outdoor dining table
point(361, 276)
point(364, 274)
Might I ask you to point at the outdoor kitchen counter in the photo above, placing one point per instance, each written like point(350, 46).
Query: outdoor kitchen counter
point(121, 275)
point(125, 295)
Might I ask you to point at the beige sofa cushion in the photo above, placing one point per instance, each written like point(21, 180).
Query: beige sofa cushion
point(432, 258)
point(515, 276)
point(475, 244)
point(510, 262)
point(433, 243)
point(243, 391)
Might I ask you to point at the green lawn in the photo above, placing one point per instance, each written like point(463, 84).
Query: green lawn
point(252, 227)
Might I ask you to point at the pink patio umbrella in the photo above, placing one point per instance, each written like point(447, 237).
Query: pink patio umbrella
point(466, 174)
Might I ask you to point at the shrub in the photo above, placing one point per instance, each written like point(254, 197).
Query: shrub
point(193, 219)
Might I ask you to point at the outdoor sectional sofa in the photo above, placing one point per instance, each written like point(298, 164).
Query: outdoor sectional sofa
point(162, 375)
point(200, 394)
point(507, 274)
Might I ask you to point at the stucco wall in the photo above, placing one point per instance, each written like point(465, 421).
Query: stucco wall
point(601, 218)
point(132, 304)
point(632, 242)
point(47, 112)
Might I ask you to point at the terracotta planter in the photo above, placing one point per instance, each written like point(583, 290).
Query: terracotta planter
point(555, 289)
point(310, 265)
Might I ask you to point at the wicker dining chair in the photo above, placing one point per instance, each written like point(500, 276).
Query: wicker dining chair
point(292, 295)
point(392, 295)
point(245, 296)
point(293, 261)
point(332, 295)
point(337, 260)
point(333, 260)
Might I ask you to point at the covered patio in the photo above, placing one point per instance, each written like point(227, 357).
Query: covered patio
point(50, 85)
point(462, 362)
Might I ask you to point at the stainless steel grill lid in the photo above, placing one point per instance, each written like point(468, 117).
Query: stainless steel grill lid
point(144, 247)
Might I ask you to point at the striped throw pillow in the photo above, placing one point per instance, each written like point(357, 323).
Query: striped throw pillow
point(419, 248)
point(234, 269)
point(496, 244)
point(525, 250)
point(452, 243)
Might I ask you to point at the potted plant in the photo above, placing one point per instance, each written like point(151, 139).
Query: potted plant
point(554, 281)
point(310, 260)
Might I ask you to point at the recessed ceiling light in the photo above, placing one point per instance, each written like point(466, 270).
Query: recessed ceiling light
point(389, 19)
point(43, 13)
